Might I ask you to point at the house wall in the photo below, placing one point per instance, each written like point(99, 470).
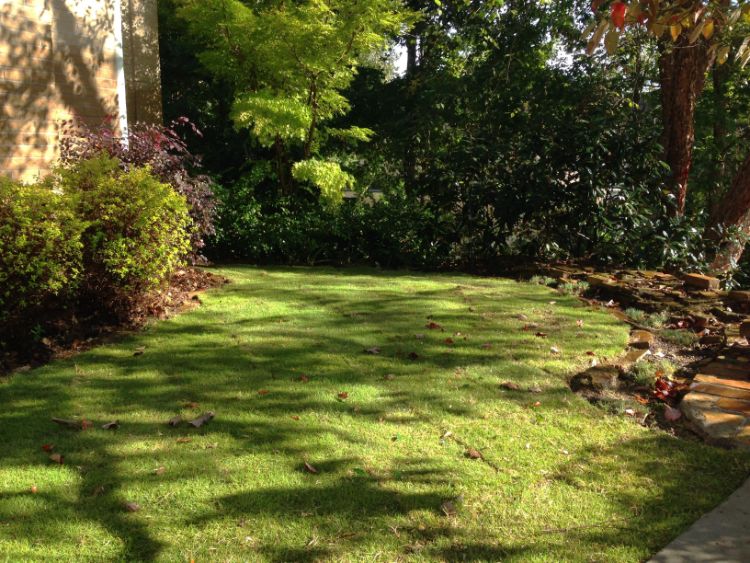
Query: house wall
point(59, 59)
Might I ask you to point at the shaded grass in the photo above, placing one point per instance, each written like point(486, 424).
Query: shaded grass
point(559, 481)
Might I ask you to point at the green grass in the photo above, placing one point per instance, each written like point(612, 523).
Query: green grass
point(561, 480)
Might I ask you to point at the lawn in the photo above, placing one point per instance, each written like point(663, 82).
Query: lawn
point(279, 356)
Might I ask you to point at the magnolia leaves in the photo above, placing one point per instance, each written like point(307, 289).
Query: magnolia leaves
point(673, 20)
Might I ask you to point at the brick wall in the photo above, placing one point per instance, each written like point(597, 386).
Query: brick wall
point(59, 58)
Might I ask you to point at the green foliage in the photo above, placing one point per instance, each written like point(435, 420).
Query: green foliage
point(393, 231)
point(636, 315)
point(271, 117)
point(645, 373)
point(542, 280)
point(137, 228)
point(327, 176)
point(573, 288)
point(40, 246)
point(683, 338)
point(654, 320)
point(288, 64)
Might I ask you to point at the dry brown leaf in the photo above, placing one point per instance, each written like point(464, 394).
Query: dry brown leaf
point(448, 508)
point(114, 425)
point(56, 458)
point(263, 392)
point(34, 489)
point(184, 440)
point(203, 419)
point(343, 395)
point(132, 506)
point(374, 351)
point(175, 421)
point(471, 453)
point(310, 469)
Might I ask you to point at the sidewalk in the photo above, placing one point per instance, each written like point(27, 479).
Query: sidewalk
point(722, 535)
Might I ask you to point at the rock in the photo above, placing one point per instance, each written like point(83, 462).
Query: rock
point(597, 280)
point(735, 405)
point(700, 281)
point(641, 339)
point(741, 296)
point(600, 377)
point(721, 424)
point(712, 340)
point(631, 358)
point(745, 329)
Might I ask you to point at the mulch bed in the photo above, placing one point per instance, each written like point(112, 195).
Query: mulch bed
point(61, 333)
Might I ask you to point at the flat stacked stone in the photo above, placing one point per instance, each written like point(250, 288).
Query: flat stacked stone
point(719, 399)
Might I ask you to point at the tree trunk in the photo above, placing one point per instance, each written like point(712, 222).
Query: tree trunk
point(732, 212)
point(682, 73)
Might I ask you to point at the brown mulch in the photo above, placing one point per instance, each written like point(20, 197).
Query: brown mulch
point(62, 333)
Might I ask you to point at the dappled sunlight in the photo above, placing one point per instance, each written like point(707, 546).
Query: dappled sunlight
point(280, 357)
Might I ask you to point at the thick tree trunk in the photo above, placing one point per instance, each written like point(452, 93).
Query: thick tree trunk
point(732, 213)
point(682, 70)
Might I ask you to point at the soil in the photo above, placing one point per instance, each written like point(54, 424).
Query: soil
point(64, 332)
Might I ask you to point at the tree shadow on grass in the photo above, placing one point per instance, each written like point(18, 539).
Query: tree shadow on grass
point(188, 365)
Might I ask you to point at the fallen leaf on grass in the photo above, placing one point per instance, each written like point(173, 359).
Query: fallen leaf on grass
point(374, 351)
point(630, 412)
point(510, 386)
point(139, 351)
point(672, 414)
point(554, 350)
point(303, 378)
point(389, 377)
point(56, 458)
point(72, 424)
point(184, 440)
point(432, 325)
point(34, 489)
point(541, 335)
point(590, 353)
point(161, 470)
point(114, 425)
point(203, 419)
point(191, 405)
point(471, 453)
point(537, 404)
point(132, 506)
point(48, 447)
point(579, 323)
point(295, 417)
point(642, 400)
point(413, 356)
point(449, 341)
point(263, 392)
point(310, 469)
point(175, 421)
point(448, 508)
point(486, 346)
point(535, 389)
point(343, 395)
point(419, 336)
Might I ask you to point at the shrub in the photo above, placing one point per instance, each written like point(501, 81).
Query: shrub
point(137, 230)
point(40, 247)
point(165, 152)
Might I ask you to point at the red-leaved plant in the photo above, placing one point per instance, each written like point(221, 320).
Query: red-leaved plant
point(159, 147)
